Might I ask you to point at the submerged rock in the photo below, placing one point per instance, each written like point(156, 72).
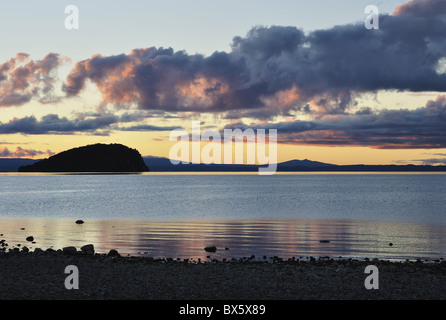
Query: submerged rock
point(210, 249)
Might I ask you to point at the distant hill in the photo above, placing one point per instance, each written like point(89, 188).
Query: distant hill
point(12, 165)
point(161, 164)
point(304, 163)
point(164, 165)
point(91, 158)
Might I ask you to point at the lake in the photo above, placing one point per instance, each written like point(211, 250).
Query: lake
point(177, 215)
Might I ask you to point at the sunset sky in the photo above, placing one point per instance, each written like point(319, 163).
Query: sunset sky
point(136, 70)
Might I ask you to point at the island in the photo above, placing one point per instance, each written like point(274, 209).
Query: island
point(91, 158)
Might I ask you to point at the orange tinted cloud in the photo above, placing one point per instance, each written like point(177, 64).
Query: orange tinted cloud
point(20, 152)
point(23, 79)
point(423, 127)
point(422, 8)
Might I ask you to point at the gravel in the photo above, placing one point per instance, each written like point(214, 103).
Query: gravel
point(41, 275)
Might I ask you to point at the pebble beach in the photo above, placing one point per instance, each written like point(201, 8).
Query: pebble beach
point(40, 275)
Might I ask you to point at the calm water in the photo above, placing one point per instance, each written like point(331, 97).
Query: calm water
point(166, 215)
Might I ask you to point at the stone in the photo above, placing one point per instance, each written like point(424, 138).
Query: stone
point(79, 222)
point(113, 253)
point(88, 249)
point(324, 241)
point(210, 249)
point(25, 249)
point(69, 250)
point(30, 238)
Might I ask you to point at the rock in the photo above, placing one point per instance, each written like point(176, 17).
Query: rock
point(88, 249)
point(391, 244)
point(30, 238)
point(25, 249)
point(113, 253)
point(210, 249)
point(69, 250)
point(226, 248)
point(324, 241)
point(38, 250)
point(79, 222)
point(49, 250)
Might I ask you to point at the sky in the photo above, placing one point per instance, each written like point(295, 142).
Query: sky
point(133, 71)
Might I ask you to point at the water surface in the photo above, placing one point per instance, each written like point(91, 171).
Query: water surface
point(177, 215)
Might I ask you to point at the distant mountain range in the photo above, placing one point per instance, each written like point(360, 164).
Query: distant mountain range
point(12, 165)
point(160, 164)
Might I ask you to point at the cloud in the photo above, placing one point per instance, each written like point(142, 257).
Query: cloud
point(422, 8)
point(274, 70)
point(89, 123)
point(271, 71)
point(53, 124)
point(23, 79)
point(148, 127)
point(20, 153)
point(432, 161)
point(385, 129)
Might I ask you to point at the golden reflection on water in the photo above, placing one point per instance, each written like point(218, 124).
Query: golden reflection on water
point(187, 239)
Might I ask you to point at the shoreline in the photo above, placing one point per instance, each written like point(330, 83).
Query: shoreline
point(287, 238)
point(41, 276)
